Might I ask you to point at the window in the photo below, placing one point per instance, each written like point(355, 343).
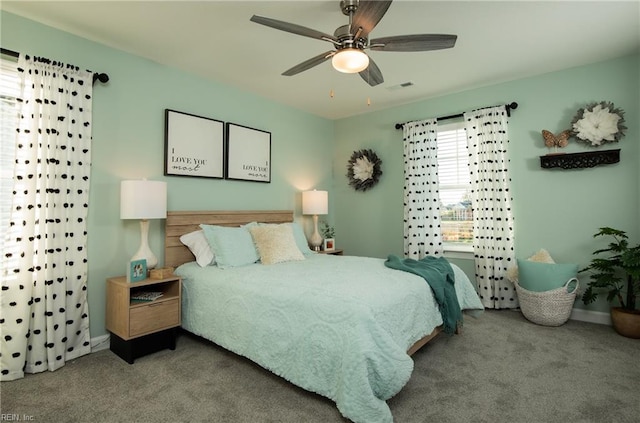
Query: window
point(456, 217)
point(9, 90)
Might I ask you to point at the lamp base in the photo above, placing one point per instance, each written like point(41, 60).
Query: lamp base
point(144, 252)
point(316, 239)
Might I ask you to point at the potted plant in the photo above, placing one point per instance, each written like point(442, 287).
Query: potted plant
point(618, 274)
point(327, 230)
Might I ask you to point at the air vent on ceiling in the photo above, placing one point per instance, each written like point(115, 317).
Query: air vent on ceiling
point(399, 86)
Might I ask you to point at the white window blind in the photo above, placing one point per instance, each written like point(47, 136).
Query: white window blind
point(453, 175)
point(9, 90)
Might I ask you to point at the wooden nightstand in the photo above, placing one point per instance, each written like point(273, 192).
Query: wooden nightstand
point(140, 328)
point(336, 252)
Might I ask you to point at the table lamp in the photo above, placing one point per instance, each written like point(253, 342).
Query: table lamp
point(143, 200)
point(315, 203)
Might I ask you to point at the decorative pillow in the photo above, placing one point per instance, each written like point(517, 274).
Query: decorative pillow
point(542, 256)
point(298, 235)
point(276, 243)
point(199, 246)
point(232, 246)
point(541, 277)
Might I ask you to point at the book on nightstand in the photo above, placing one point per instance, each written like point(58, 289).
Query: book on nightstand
point(145, 296)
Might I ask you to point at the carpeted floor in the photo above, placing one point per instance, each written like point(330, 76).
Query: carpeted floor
point(501, 369)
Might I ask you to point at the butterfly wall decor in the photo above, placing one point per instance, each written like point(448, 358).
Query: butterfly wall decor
point(551, 140)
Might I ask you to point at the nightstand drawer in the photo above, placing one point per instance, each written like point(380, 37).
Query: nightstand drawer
point(154, 316)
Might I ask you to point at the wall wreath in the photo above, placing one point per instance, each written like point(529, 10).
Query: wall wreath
point(598, 123)
point(364, 169)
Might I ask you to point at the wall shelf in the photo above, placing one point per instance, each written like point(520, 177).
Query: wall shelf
point(580, 160)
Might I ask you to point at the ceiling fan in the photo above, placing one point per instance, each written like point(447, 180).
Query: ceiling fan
point(350, 41)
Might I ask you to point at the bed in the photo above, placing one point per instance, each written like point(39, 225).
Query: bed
point(341, 326)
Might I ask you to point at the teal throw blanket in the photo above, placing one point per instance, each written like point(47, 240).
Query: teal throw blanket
point(437, 272)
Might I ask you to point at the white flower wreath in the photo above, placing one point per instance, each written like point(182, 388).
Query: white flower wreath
point(598, 123)
point(364, 169)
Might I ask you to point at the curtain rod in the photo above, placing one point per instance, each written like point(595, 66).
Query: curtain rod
point(102, 77)
point(511, 106)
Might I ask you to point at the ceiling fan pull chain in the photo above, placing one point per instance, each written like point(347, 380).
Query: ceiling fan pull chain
point(369, 82)
point(331, 93)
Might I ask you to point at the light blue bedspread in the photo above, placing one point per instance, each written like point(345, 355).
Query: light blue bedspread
point(337, 326)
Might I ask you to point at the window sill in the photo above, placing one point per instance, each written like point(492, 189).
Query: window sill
point(458, 254)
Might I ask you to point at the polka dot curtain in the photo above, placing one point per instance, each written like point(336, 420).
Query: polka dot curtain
point(488, 139)
point(45, 316)
point(422, 235)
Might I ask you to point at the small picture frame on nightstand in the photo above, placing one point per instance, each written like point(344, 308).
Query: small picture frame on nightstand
point(329, 244)
point(137, 270)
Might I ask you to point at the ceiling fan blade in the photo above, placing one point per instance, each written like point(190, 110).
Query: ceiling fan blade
point(367, 16)
point(418, 42)
point(292, 28)
point(308, 64)
point(372, 74)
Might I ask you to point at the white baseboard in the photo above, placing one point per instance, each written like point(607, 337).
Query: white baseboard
point(598, 317)
point(100, 343)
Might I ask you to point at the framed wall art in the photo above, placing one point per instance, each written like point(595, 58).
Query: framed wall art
point(248, 154)
point(194, 145)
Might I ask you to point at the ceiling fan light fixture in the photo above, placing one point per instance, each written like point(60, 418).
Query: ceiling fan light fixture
point(350, 60)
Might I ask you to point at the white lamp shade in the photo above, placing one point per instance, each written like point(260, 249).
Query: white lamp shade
point(143, 199)
point(315, 202)
point(350, 60)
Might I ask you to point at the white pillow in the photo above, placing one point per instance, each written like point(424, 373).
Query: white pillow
point(542, 256)
point(275, 243)
point(197, 243)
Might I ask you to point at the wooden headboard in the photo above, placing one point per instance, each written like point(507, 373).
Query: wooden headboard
point(179, 223)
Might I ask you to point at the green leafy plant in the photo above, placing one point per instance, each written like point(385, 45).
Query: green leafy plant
point(327, 230)
point(618, 273)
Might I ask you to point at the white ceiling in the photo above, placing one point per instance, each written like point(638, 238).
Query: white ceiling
point(497, 41)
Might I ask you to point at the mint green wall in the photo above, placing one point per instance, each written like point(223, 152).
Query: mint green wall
point(128, 143)
point(558, 210)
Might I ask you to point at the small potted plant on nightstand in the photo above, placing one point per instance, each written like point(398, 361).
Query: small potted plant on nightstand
point(328, 233)
point(618, 274)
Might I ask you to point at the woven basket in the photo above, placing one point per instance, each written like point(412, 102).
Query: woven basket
point(548, 308)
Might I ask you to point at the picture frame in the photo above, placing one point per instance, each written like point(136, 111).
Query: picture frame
point(194, 146)
point(248, 154)
point(137, 270)
point(329, 244)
